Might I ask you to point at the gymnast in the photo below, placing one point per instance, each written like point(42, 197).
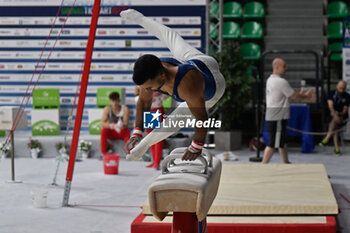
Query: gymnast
point(190, 77)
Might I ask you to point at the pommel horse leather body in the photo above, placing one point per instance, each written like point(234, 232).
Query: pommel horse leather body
point(189, 187)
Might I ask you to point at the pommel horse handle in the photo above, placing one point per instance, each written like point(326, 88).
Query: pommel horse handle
point(169, 161)
point(205, 153)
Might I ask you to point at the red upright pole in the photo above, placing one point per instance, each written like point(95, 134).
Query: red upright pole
point(80, 108)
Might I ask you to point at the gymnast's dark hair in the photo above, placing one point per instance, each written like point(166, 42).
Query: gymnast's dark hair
point(146, 67)
point(114, 96)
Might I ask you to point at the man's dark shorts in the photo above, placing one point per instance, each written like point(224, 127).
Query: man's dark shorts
point(277, 133)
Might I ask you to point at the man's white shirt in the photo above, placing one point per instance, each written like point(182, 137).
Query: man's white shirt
point(278, 92)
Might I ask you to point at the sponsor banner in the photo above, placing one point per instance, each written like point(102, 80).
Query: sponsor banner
point(79, 32)
point(12, 100)
point(62, 55)
point(10, 89)
point(82, 43)
point(94, 116)
point(131, 101)
point(127, 66)
point(45, 122)
point(346, 63)
point(104, 3)
point(63, 123)
point(346, 51)
point(56, 78)
point(116, 53)
point(70, 101)
point(85, 21)
point(46, 97)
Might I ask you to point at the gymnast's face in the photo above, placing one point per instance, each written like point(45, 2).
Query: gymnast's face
point(154, 84)
point(114, 103)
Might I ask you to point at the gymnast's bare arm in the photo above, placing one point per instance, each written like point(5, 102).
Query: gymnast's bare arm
point(104, 118)
point(143, 104)
point(191, 89)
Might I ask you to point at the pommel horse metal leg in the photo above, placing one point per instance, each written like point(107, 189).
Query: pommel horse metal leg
point(187, 189)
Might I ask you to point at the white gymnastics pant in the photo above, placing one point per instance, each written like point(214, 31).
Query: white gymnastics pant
point(181, 50)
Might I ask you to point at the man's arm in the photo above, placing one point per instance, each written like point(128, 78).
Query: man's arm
point(298, 95)
point(104, 118)
point(346, 107)
point(331, 107)
point(191, 89)
point(345, 110)
point(126, 117)
point(334, 114)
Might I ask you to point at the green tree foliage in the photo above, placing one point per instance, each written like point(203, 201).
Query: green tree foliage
point(238, 92)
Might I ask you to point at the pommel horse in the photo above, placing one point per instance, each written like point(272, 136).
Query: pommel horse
point(187, 189)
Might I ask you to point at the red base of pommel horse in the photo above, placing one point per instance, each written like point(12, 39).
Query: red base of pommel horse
point(186, 188)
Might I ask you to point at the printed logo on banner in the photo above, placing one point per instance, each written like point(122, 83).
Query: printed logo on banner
point(128, 43)
point(79, 32)
point(106, 66)
point(151, 120)
point(52, 66)
point(40, 66)
point(66, 78)
point(143, 32)
point(165, 20)
point(117, 9)
point(101, 32)
point(65, 43)
point(65, 32)
point(107, 78)
point(65, 100)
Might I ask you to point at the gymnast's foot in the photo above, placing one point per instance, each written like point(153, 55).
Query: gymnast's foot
point(132, 16)
point(150, 165)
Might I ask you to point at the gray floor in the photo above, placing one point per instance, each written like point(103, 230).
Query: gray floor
point(111, 203)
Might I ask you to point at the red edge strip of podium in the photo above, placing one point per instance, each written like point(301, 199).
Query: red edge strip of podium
point(138, 226)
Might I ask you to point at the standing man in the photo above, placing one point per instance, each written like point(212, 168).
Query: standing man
point(338, 105)
point(191, 77)
point(114, 122)
point(278, 93)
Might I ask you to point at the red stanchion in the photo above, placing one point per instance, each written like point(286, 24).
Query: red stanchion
point(80, 107)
